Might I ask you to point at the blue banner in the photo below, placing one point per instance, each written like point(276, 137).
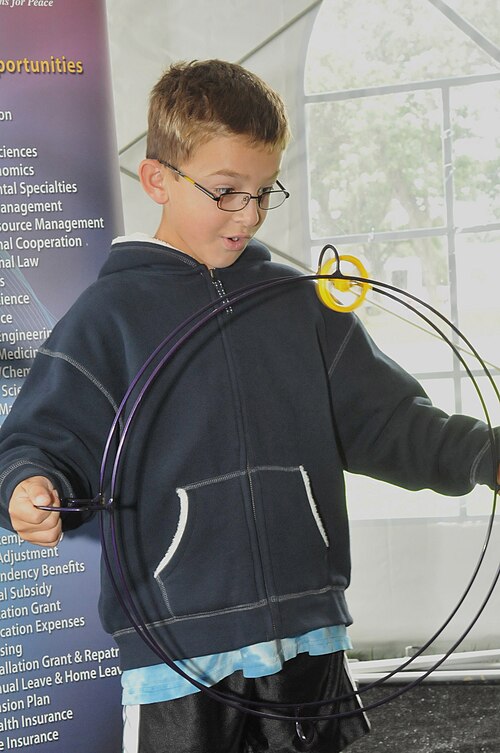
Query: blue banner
point(59, 209)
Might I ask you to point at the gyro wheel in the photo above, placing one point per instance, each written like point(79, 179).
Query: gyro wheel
point(339, 291)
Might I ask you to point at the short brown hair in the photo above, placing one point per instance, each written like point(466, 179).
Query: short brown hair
point(193, 102)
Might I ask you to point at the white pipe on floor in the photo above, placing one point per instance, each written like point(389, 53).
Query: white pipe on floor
point(474, 675)
point(469, 666)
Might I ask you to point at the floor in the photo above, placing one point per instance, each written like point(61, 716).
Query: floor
point(434, 718)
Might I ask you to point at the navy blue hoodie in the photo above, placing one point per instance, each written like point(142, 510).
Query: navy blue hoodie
point(230, 491)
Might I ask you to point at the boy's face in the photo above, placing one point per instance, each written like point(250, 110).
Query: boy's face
point(193, 223)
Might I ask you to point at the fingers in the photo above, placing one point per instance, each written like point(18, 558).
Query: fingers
point(32, 524)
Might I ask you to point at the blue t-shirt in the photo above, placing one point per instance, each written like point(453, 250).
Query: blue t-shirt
point(161, 683)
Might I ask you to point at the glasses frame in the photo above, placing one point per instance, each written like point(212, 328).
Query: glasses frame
point(218, 199)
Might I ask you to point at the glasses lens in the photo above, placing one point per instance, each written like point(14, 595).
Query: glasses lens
point(271, 199)
point(232, 202)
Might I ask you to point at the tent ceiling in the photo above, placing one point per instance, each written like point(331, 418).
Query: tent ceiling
point(145, 40)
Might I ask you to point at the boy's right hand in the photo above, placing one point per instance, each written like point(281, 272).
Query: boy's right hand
point(36, 526)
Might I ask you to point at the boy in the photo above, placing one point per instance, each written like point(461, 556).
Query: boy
point(231, 498)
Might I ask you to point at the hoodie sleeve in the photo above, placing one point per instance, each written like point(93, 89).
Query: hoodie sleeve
point(60, 421)
point(389, 429)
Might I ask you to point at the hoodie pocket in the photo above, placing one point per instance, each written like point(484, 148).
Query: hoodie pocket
point(243, 538)
point(209, 565)
point(298, 542)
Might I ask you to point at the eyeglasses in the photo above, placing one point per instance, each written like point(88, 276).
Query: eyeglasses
point(235, 201)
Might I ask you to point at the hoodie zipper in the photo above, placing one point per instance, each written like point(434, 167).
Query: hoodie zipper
point(221, 293)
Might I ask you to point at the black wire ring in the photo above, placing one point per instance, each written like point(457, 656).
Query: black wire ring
point(200, 318)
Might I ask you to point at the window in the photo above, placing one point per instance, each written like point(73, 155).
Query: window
point(402, 101)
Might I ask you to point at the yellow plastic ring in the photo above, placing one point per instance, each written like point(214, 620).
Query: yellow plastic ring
point(342, 284)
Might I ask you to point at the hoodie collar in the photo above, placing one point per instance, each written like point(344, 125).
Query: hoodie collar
point(141, 250)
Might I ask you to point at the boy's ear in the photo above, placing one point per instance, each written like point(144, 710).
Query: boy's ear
point(152, 179)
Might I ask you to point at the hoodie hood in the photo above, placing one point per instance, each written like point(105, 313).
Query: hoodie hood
point(130, 252)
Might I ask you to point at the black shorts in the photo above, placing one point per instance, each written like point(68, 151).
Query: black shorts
point(200, 724)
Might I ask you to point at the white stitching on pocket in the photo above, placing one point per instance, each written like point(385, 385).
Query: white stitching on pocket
point(181, 527)
point(313, 506)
